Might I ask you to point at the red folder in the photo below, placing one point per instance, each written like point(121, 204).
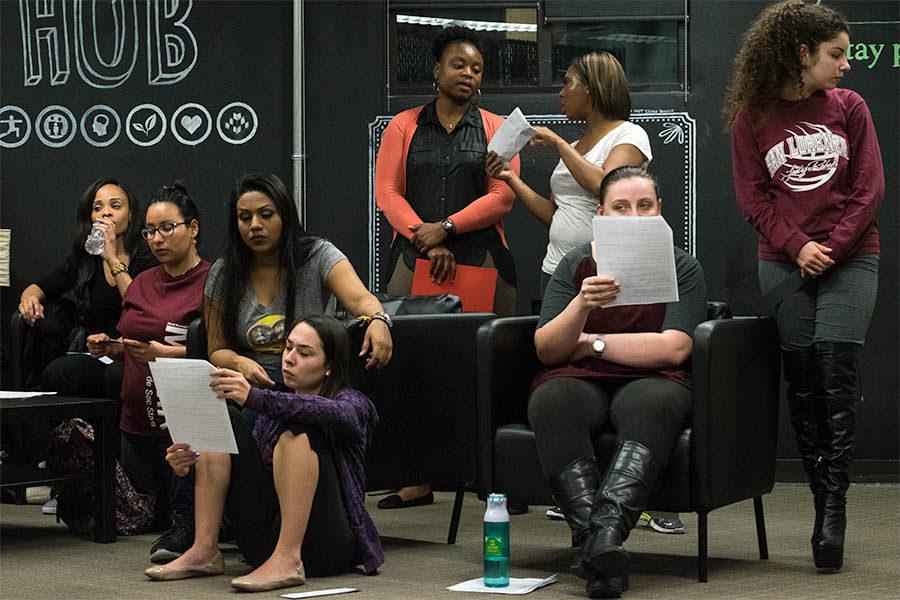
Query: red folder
point(475, 286)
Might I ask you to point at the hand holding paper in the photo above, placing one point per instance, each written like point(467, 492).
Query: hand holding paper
point(638, 253)
point(512, 136)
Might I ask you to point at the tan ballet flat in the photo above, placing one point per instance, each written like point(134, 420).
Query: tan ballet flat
point(167, 573)
point(259, 584)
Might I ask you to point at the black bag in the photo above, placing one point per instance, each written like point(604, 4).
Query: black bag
point(420, 305)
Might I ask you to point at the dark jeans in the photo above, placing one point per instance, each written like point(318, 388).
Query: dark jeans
point(143, 458)
point(835, 307)
point(252, 508)
point(566, 414)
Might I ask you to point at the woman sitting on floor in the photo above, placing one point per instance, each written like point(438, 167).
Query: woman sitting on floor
point(624, 366)
point(294, 494)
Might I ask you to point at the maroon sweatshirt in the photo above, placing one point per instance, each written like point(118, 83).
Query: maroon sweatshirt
point(809, 170)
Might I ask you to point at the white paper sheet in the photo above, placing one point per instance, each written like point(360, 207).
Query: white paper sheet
point(517, 586)
point(512, 136)
point(15, 394)
point(317, 593)
point(638, 252)
point(193, 413)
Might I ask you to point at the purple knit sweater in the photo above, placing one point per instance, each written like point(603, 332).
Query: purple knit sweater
point(347, 422)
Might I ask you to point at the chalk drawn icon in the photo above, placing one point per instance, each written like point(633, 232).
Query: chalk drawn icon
point(55, 126)
point(191, 124)
point(15, 126)
point(100, 125)
point(237, 123)
point(145, 124)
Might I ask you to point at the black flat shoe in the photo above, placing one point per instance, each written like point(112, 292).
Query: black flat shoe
point(395, 501)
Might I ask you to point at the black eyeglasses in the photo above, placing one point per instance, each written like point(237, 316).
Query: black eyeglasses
point(165, 230)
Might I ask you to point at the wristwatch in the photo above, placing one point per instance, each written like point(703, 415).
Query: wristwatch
point(383, 316)
point(448, 226)
point(598, 345)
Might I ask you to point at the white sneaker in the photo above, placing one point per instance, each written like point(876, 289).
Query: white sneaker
point(555, 513)
point(49, 507)
point(667, 524)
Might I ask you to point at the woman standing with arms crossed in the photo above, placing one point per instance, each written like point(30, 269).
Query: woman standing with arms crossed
point(809, 178)
point(430, 178)
point(594, 90)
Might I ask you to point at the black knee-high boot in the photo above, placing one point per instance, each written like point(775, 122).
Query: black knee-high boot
point(800, 373)
point(623, 495)
point(574, 488)
point(837, 400)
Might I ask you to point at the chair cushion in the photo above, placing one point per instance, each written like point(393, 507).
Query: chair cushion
point(518, 471)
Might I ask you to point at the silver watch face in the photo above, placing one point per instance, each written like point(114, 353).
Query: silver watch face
point(599, 346)
point(447, 225)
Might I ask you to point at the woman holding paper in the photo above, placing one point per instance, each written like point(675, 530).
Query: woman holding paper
point(621, 365)
point(295, 492)
point(594, 90)
point(156, 310)
point(431, 184)
point(808, 176)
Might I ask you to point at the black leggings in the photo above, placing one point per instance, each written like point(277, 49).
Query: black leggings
point(566, 414)
point(329, 547)
point(82, 376)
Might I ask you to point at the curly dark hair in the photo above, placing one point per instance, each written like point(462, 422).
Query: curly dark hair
point(769, 55)
point(453, 35)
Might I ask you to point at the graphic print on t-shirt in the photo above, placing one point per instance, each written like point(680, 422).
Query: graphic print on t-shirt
point(810, 155)
point(267, 334)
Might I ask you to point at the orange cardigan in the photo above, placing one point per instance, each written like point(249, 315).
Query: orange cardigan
point(390, 181)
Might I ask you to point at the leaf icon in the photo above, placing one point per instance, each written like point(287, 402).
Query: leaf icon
point(139, 127)
point(149, 123)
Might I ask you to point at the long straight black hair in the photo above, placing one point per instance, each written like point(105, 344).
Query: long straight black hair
point(84, 262)
point(294, 247)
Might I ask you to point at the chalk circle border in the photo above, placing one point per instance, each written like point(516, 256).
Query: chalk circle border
point(159, 113)
point(173, 121)
point(224, 137)
point(92, 110)
point(27, 118)
point(72, 120)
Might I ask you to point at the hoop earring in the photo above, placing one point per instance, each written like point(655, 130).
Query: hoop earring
point(434, 87)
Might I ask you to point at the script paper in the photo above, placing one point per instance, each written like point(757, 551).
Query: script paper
point(517, 586)
point(193, 413)
point(638, 252)
point(512, 136)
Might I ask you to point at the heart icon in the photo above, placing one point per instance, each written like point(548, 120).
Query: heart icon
point(191, 124)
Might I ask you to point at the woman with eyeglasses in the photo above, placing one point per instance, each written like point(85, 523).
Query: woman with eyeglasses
point(156, 311)
point(97, 282)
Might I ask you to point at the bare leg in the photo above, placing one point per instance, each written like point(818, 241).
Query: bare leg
point(212, 474)
point(295, 467)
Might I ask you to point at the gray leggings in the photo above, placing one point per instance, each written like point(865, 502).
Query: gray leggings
point(835, 307)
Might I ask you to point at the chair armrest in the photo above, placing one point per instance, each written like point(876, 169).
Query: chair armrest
point(196, 340)
point(506, 366)
point(736, 368)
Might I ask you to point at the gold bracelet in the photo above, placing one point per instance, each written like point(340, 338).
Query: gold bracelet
point(119, 268)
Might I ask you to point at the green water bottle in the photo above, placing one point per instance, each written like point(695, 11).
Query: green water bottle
point(496, 542)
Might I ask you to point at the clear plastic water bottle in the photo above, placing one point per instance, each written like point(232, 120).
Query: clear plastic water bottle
point(95, 242)
point(496, 542)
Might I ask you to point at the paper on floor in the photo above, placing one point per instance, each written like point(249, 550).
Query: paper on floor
point(517, 586)
point(317, 593)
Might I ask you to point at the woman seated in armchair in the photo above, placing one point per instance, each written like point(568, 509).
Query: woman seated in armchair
point(295, 493)
point(623, 366)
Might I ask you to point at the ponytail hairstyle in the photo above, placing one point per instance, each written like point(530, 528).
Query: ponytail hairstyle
point(336, 347)
point(176, 193)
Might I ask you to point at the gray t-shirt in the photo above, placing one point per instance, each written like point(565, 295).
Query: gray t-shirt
point(261, 328)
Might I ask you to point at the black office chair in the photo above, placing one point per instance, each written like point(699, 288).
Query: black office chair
point(726, 455)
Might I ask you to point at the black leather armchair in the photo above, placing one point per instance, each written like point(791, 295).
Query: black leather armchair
point(725, 456)
point(425, 399)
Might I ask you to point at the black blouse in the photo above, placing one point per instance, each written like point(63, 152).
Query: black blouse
point(444, 173)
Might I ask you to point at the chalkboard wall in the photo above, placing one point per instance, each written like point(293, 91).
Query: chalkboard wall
point(243, 54)
point(200, 94)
